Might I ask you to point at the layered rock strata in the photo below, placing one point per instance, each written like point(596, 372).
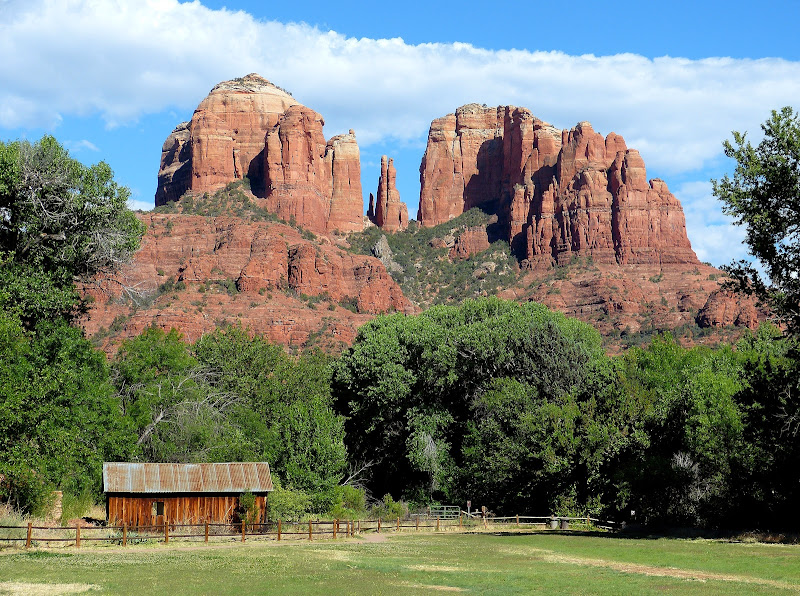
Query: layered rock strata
point(388, 211)
point(195, 273)
point(249, 127)
point(558, 193)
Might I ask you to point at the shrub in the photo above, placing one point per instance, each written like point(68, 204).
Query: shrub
point(388, 508)
point(288, 504)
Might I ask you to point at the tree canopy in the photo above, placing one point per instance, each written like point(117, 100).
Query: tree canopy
point(764, 196)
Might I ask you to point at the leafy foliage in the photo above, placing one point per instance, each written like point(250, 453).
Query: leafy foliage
point(764, 196)
point(60, 214)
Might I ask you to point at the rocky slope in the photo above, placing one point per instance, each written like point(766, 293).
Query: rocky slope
point(559, 194)
point(195, 273)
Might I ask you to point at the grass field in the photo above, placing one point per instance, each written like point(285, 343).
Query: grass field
point(413, 564)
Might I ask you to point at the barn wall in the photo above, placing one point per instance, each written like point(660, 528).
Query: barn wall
point(137, 509)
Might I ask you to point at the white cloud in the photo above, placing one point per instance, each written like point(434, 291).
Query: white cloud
point(126, 58)
point(121, 59)
point(136, 205)
point(714, 236)
point(78, 146)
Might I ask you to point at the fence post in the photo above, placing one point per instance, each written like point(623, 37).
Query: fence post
point(28, 539)
point(379, 525)
point(418, 523)
point(335, 527)
point(310, 538)
point(125, 534)
point(279, 530)
point(518, 520)
point(206, 532)
point(459, 521)
point(166, 533)
point(437, 523)
point(243, 526)
point(398, 524)
point(77, 534)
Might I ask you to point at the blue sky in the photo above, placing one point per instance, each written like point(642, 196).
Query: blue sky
point(110, 79)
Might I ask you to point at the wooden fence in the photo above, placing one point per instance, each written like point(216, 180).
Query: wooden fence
point(279, 530)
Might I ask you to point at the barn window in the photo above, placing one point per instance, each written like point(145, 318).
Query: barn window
point(158, 508)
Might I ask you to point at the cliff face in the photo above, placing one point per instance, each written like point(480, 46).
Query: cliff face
point(249, 127)
point(195, 273)
point(558, 194)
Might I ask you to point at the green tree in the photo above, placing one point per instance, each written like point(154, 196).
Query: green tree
point(59, 416)
point(284, 407)
point(59, 214)
point(681, 473)
point(60, 222)
point(479, 400)
point(764, 196)
point(172, 401)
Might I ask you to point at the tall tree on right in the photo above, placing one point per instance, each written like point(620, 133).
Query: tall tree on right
point(764, 196)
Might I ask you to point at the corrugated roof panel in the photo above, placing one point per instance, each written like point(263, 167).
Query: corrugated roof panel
point(250, 476)
point(194, 478)
point(234, 477)
point(166, 475)
point(222, 476)
point(150, 480)
point(264, 477)
point(237, 476)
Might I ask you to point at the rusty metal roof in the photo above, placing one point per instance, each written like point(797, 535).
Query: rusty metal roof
point(235, 477)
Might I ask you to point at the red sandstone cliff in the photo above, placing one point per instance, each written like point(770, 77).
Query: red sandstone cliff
point(249, 127)
point(558, 193)
point(265, 275)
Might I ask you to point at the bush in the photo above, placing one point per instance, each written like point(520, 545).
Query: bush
point(247, 504)
point(351, 503)
point(288, 504)
point(388, 508)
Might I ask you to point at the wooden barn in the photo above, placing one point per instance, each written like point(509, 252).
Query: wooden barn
point(155, 494)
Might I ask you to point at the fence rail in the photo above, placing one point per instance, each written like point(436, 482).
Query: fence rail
point(279, 530)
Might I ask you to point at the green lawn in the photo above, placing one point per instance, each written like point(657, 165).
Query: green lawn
point(421, 564)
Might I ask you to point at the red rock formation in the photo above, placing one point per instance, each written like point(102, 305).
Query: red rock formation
point(270, 265)
point(471, 242)
point(724, 308)
point(249, 127)
point(388, 211)
point(558, 193)
point(223, 139)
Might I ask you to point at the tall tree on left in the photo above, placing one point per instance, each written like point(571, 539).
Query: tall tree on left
point(60, 222)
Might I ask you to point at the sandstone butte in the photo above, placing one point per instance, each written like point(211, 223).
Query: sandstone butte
point(250, 127)
point(557, 195)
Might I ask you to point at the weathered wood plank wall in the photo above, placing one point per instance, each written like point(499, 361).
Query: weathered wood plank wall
point(138, 509)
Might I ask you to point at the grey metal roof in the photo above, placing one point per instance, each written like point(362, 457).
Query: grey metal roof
point(235, 477)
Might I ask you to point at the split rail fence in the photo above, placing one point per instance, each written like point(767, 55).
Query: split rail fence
point(123, 535)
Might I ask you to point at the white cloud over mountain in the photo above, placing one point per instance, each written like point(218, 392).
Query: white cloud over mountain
point(121, 59)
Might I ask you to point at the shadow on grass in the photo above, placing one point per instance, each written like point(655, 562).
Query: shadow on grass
point(640, 533)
